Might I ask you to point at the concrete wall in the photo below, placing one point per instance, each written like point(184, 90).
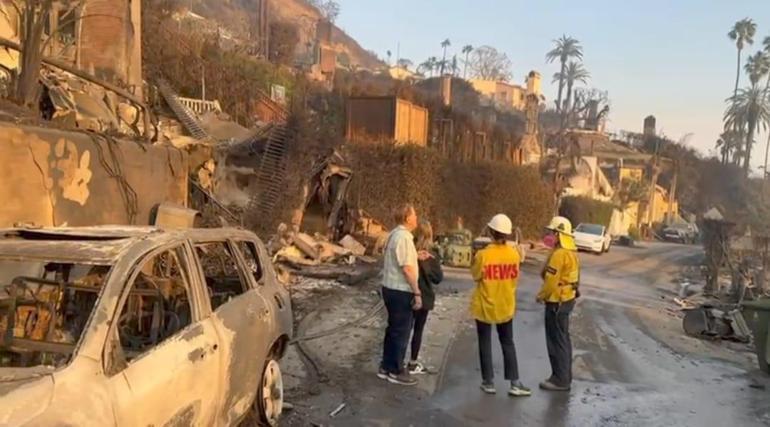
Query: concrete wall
point(57, 178)
point(411, 123)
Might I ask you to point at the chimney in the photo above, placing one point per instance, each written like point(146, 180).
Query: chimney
point(649, 126)
point(446, 90)
point(533, 83)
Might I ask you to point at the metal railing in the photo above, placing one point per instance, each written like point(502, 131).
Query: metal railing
point(199, 106)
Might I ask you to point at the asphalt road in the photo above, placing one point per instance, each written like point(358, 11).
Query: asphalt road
point(623, 376)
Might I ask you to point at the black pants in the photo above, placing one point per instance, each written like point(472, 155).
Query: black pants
point(505, 334)
point(558, 341)
point(399, 307)
point(420, 317)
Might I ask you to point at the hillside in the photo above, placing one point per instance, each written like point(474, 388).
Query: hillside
point(234, 15)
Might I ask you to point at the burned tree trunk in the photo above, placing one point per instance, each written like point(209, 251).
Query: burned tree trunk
point(35, 14)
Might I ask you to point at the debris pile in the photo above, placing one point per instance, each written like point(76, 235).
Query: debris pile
point(317, 257)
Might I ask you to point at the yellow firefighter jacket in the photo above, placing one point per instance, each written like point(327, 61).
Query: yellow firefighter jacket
point(496, 273)
point(561, 275)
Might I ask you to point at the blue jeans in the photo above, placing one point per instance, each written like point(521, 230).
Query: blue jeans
point(400, 314)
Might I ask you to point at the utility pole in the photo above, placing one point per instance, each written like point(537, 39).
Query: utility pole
point(672, 194)
point(203, 82)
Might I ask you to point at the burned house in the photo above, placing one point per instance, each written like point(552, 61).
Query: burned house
point(101, 37)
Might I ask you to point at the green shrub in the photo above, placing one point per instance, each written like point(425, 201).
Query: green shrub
point(586, 210)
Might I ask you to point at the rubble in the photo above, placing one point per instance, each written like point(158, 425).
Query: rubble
point(351, 244)
point(717, 322)
point(308, 246)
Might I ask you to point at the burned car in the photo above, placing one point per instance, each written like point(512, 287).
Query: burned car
point(139, 326)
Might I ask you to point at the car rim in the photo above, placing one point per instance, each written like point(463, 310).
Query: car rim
point(272, 393)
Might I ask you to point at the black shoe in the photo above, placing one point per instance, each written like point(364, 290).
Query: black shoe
point(551, 386)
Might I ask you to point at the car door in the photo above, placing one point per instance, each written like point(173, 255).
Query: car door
point(242, 319)
point(163, 357)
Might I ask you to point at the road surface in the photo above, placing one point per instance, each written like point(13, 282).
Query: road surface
point(624, 376)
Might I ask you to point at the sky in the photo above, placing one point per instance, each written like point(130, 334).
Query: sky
point(668, 58)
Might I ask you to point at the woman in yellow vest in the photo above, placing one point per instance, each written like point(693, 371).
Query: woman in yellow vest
point(561, 276)
point(496, 272)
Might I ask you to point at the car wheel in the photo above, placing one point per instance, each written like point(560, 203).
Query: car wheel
point(269, 402)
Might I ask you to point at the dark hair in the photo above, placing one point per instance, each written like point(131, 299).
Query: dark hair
point(498, 236)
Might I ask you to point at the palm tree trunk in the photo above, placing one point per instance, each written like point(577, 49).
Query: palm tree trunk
point(561, 85)
point(567, 105)
point(767, 151)
point(737, 74)
point(749, 143)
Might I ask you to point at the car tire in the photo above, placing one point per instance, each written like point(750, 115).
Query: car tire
point(269, 402)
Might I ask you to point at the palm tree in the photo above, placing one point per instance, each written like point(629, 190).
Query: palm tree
point(390, 54)
point(425, 67)
point(445, 44)
point(467, 49)
point(455, 67)
point(742, 34)
point(565, 49)
point(766, 49)
point(729, 143)
point(575, 72)
point(749, 110)
point(757, 67)
point(430, 65)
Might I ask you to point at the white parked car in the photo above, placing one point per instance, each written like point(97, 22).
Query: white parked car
point(138, 327)
point(593, 238)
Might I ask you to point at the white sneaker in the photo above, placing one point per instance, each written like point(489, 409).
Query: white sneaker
point(416, 368)
point(488, 388)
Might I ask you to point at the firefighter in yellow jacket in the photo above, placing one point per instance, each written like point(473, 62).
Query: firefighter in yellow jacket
point(561, 277)
point(496, 272)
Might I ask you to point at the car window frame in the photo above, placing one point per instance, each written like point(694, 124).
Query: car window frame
point(194, 294)
point(260, 259)
point(239, 263)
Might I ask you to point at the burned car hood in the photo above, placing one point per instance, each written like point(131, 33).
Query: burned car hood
point(24, 393)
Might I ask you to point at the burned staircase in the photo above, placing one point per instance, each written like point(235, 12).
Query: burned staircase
point(272, 170)
point(184, 114)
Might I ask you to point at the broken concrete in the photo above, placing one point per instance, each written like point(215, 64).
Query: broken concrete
point(351, 244)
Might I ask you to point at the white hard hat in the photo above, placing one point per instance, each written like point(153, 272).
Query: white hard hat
point(502, 224)
point(561, 225)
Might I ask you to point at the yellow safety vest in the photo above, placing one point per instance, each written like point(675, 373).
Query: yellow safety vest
point(496, 273)
point(561, 275)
